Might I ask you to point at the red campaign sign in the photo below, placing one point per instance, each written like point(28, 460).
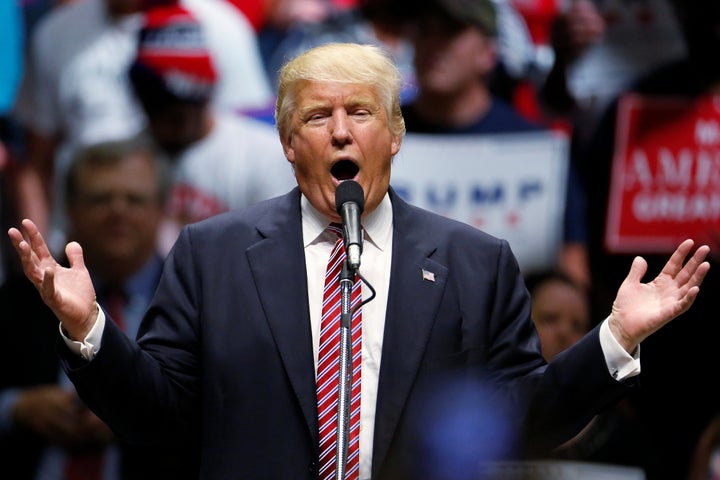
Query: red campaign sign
point(665, 174)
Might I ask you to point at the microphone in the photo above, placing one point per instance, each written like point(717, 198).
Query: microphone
point(349, 203)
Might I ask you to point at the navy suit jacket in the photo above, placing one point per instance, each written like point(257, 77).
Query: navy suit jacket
point(224, 357)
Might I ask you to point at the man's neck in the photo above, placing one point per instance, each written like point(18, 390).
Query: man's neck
point(456, 110)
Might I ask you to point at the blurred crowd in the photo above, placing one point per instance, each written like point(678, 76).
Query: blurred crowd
point(123, 120)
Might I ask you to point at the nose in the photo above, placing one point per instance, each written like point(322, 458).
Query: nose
point(120, 204)
point(340, 130)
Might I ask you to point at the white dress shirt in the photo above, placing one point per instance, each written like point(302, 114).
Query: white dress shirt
point(375, 267)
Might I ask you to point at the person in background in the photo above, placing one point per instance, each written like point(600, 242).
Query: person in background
point(689, 80)
point(517, 55)
point(282, 16)
point(219, 161)
point(116, 194)
point(230, 355)
point(382, 22)
point(375, 22)
point(560, 310)
point(600, 49)
point(76, 91)
point(561, 314)
point(455, 56)
point(705, 462)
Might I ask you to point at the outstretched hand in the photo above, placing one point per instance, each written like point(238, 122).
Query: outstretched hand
point(640, 309)
point(67, 291)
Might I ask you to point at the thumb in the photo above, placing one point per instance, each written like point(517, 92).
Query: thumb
point(637, 270)
point(74, 254)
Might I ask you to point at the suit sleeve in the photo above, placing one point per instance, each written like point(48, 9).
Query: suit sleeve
point(147, 391)
point(559, 398)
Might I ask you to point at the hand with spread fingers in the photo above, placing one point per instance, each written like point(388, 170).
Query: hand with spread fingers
point(67, 291)
point(641, 309)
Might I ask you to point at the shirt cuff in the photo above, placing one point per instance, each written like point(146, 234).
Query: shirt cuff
point(621, 364)
point(89, 347)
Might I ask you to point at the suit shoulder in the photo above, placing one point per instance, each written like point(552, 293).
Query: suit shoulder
point(245, 219)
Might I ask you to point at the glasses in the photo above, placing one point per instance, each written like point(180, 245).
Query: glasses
point(105, 200)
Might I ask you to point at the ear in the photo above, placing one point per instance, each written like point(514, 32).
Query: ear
point(395, 144)
point(288, 149)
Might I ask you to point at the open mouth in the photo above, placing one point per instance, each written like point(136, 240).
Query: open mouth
point(344, 170)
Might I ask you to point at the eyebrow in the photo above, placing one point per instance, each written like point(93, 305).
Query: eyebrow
point(356, 101)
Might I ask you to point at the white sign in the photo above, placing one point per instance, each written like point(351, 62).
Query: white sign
point(509, 185)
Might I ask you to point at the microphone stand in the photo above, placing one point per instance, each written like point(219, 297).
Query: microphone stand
point(347, 277)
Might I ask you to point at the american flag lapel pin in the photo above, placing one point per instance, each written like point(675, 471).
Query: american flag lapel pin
point(428, 275)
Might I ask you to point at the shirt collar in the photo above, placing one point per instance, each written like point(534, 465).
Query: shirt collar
point(377, 225)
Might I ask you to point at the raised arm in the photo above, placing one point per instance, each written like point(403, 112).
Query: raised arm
point(67, 291)
point(640, 309)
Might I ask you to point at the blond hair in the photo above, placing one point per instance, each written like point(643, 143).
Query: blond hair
point(344, 63)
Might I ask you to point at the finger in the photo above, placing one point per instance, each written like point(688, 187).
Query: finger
point(699, 275)
point(637, 270)
point(675, 263)
point(691, 266)
point(685, 302)
point(18, 241)
point(28, 259)
point(37, 242)
point(74, 253)
point(15, 235)
point(690, 290)
point(16, 238)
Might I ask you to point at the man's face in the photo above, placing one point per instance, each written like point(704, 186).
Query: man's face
point(116, 213)
point(340, 132)
point(179, 126)
point(450, 56)
point(561, 315)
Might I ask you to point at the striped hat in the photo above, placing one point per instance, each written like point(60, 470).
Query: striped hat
point(172, 48)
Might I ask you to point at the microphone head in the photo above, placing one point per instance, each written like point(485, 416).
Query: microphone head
point(349, 191)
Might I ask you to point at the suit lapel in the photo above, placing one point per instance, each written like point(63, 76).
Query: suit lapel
point(278, 268)
point(417, 284)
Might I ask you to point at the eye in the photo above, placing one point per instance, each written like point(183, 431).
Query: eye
point(314, 116)
point(361, 112)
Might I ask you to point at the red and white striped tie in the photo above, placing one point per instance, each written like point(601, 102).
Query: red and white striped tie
point(328, 368)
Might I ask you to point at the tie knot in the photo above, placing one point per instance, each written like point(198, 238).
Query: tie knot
point(336, 228)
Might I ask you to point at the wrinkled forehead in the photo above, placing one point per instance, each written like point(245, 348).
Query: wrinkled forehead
point(324, 92)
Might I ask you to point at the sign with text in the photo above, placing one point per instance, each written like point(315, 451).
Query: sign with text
point(665, 183)
point(509, 185)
